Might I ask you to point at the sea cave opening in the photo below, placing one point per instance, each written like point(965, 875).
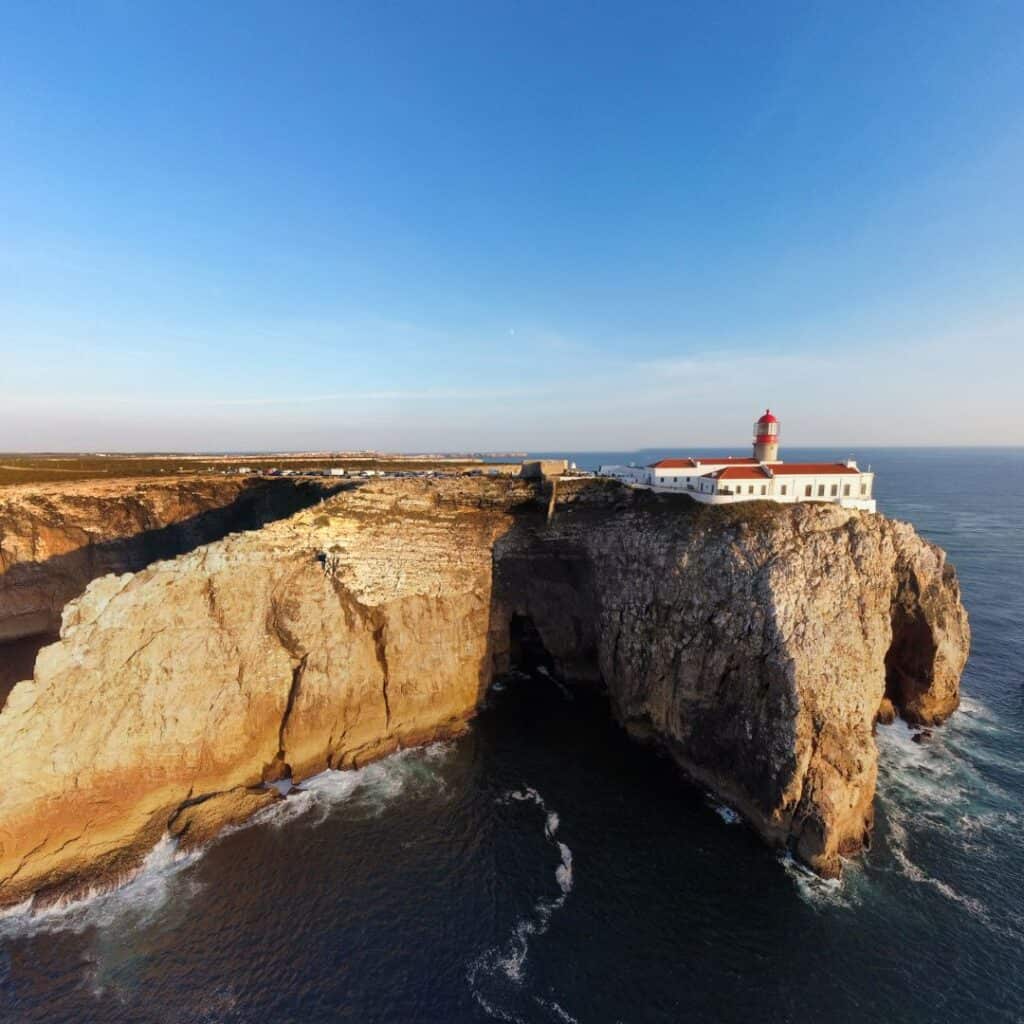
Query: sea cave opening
point(909, 660)
point(527, 651)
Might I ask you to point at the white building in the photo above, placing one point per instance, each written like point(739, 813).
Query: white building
point(764, 476)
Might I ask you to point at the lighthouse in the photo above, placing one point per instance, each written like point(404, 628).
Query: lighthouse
point(725, 479)
point(766, 438)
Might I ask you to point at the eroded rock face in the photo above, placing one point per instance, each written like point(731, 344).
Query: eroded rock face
point(753, 643)
point(321, 641)
point(54, 539)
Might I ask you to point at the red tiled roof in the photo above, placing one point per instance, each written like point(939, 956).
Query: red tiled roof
point(741, 473)
point(737, 467)
point(784, 469)
point(812, 469)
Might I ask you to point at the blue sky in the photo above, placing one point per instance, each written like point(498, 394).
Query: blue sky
point(486, 225)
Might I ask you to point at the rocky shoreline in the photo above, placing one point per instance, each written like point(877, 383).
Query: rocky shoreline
point(755, 643)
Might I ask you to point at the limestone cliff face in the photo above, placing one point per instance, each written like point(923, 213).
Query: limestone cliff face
point(54, 539)
point(754, 643)
point(320, 641)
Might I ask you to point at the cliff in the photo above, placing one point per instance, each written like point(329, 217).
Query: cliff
point(754, 643)
point(54, 539)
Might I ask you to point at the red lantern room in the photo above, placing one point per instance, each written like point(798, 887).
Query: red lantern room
point(766, 438)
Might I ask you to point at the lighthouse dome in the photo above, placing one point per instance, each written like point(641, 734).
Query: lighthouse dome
point(766, 438)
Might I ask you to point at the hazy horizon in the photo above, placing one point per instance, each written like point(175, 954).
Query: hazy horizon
point(483, 452)
point(417, 228)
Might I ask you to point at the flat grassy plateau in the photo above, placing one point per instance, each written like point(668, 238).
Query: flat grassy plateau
point(37, 469)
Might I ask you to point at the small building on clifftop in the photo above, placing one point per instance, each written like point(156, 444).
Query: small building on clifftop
point(544, 469)
point(762, 476)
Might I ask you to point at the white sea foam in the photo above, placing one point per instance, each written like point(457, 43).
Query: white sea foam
point(975, 711)
point(505, 965)
point(134, 900)
point(374, 786)
point(821, 893)
point(497, 1012)
point(17, 911)
point(439, 750)
point(140, 894)
point(726, 813)
point(942, 786)
point(898, 845)
point(941, 779)
point(563, 873)
point(526, 793)
point(558, 1013)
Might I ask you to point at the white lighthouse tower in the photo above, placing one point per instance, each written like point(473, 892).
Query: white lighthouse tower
point(766, 438)
point(725, 479)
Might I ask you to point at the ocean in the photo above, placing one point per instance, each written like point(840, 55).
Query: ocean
point(544, 869)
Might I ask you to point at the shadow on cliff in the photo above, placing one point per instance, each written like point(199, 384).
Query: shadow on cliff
point(656, 600)
point(64, 577)
point(544, 611)
point(549, 572)
point(550, 576)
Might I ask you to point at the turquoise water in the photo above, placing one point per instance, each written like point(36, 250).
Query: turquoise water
point(544, 869)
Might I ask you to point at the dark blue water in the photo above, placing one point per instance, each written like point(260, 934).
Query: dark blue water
point(543, 869)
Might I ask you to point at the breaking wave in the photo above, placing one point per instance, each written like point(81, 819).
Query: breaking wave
point(374, 786)
point(933, 785)
point(134, 899)
point(941, 791)
point(823, 893)
point(945, 783)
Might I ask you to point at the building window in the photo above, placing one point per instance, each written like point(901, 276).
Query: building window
point(863, 489)
point(821, 490)
point(834, 491)
point(764, 488)
point(807, 491)
point(846, 490)
point(750, 489)
point(783, 488)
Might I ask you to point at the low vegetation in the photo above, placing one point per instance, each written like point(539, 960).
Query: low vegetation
point(44, 468)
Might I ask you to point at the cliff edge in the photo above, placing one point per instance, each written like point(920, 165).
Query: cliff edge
point(754, 643)
point(54, 539)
